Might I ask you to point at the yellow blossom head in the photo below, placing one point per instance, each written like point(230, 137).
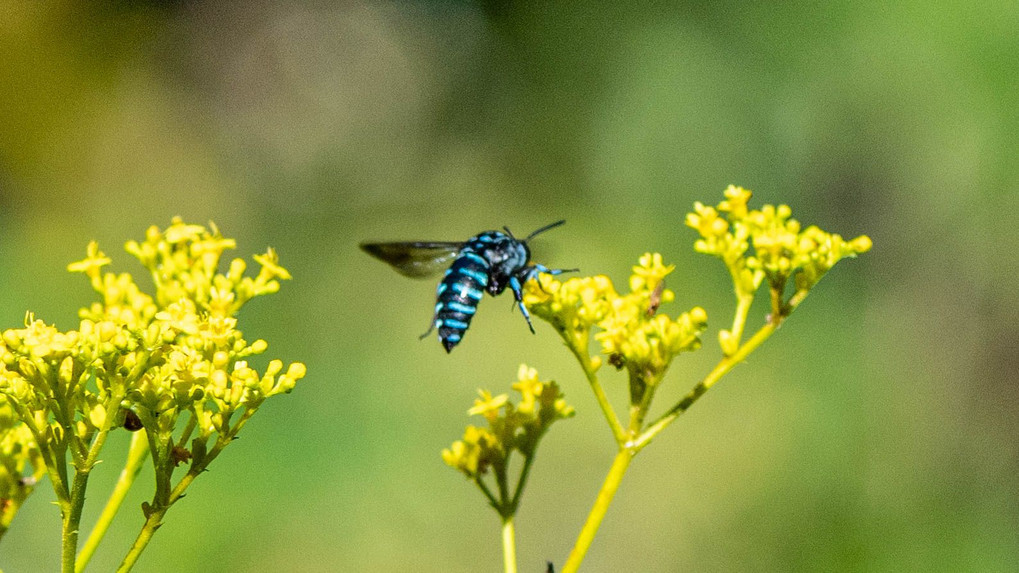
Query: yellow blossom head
point(628, 326)
point(176, 350)
point(511, 427)
point(781, 248)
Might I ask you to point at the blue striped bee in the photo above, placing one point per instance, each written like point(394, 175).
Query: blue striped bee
point(490, 261)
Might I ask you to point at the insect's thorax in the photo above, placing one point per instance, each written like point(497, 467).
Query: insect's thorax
point(506, 256)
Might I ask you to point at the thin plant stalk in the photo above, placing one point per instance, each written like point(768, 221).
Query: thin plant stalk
point(136, 456)
point(152, 522)
point(509, 545)
point(72, 508)
point(721, 369)
point(165, 496)
point(599, 393)
point(601, 507)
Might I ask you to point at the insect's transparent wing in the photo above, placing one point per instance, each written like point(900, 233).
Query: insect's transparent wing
point(415, 259)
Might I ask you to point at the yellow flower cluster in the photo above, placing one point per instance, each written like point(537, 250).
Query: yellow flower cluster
point(160, 355)
point(510, 427)
point(18, 452)
point(630, 330)
point(781, 247)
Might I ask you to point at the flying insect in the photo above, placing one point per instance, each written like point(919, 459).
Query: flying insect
point(487, 262)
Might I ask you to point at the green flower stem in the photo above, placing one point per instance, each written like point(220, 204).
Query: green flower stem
point(138, 452)
point(154, 520)
point(638, 412)
point(743, 302)
point(165, 497)
point(71, 511)
point(777, 308)
point(795, 300)
point(189, 428)
point(509, 545)
point(601, 506)
point(603, 401)
point(726, 364)
point(51, 453)
point(522, 482)
point(500, 477)
point(54, 457)
point(58, 457)
point(55, 466)
point(488, 493)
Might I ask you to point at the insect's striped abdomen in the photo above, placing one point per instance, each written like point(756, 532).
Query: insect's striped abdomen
point(458, 296)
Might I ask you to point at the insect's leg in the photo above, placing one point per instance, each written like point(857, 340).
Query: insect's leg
point(536, 268)
point(434, 323)
point(533, 270)
point(428, 331)
point(514, 283)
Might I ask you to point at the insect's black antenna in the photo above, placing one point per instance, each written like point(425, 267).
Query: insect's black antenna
point(543, 229)
point(510, 233)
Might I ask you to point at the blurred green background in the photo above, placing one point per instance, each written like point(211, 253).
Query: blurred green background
point(877, 431)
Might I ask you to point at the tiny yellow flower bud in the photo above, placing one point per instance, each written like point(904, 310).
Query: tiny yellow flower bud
point(237, 390)
point(27, 368)
point(266, 384)
point(236, 272)
point(66, 370)
point(861, 244)
point(218, 380)
point(133, 248)
point(698, 315)
point(728, 343)
point(284, 384)
point(274, 368)
point(120, 340)
point(297, 370)
point(11, 338)
point(86, 327)
point(220, 359)
point(97, 415)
